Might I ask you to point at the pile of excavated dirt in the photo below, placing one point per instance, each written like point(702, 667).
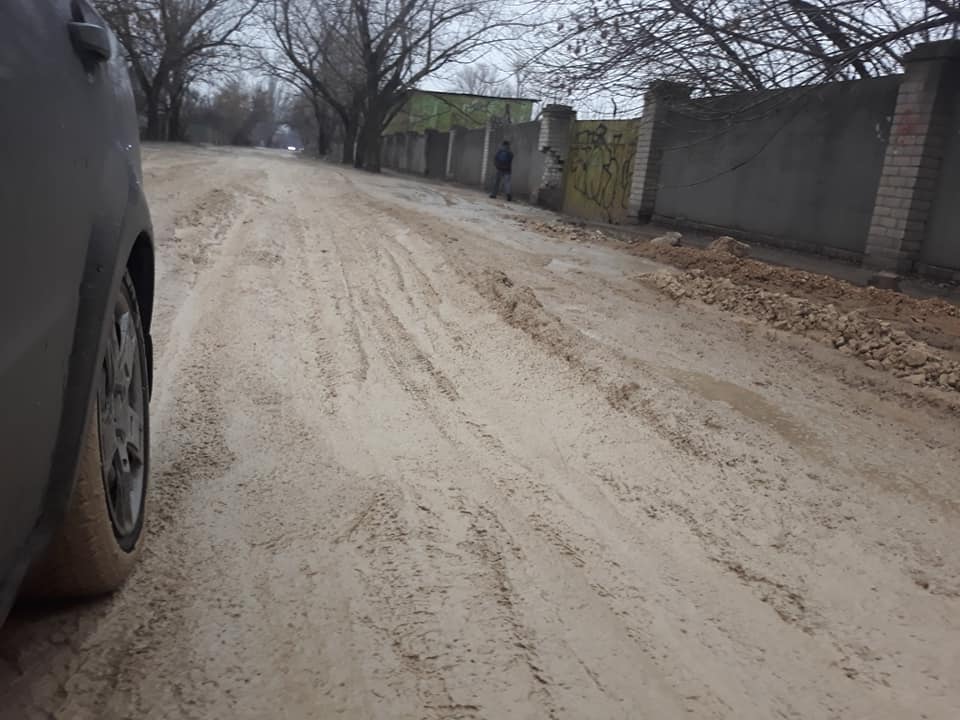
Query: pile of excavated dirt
point(565, 230)
point(931, 320)
point(875, 341)
point(917, 339)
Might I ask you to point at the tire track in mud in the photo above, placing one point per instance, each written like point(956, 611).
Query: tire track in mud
point(487, 540)
point(487, 442)
point(395, 342)
point(406, 352)
point(520, 308)
point(415, 551)
point(101, 673)
point(526, 313)
point(343, 537)
point(479, 457)
point(291, 268)
point(601, 588)
point(352, 312)
point(406, 595)
point(401, 353)
point(190, 452)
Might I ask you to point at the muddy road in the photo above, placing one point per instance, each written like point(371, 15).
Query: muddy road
point(411, 460)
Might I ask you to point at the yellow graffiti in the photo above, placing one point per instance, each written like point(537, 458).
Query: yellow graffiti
point(599, 169)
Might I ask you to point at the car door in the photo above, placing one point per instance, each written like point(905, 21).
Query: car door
point(55, 99)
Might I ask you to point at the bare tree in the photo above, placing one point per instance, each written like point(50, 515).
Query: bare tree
point(363, 56)
point(619, 46)
point(169, 42)
point(522, 78)
point(238, 113)
point(478, 79)
point(310, 51)
point(312, 119)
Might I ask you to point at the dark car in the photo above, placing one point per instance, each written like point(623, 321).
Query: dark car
point(76, 295)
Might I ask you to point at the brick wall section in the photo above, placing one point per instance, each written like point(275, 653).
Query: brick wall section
point(646, 170)
point(911, 165)
point(556, 128)
point(646, 167)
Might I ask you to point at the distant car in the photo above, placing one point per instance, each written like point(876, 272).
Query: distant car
point(76, 297)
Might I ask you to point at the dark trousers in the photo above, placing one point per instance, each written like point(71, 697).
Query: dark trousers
point(503, 176)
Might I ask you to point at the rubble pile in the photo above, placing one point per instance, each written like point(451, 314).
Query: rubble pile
point(727, 244)
point(564, 230)
point(870, 339)
point(917, 339)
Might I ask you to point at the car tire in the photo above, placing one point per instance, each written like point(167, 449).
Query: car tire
point(93, 552)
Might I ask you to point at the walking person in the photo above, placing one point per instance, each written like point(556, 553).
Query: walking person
point(503, 162)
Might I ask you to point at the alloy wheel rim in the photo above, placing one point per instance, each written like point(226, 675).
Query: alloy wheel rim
point(121, 402)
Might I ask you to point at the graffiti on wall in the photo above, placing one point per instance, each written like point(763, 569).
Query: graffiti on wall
point(599, 169)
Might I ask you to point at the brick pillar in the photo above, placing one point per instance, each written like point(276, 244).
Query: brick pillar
point(556, 134)
point(455, 133)
point(911, 166)
point(647, 161)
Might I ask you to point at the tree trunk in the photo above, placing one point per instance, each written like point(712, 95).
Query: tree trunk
point(154, 126)
point(175, 128)
point(321, 142)
point(349, 141)
point(360, 148)
point(346, 153)
point(371, 149)
point(372, 134)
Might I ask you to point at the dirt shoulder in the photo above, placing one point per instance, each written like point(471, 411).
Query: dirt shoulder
point(917, 339)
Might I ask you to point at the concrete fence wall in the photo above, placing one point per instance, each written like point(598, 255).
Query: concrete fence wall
point(941, 246)
point(471, 161)
point(416, 154)
point(868, 170)
point(524, 141)
point(797, 168)
point(599, 171)
point(468, 158)
point(438, 145)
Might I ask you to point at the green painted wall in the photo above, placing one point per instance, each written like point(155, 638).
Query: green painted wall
point(599, 170)
point(441, 111)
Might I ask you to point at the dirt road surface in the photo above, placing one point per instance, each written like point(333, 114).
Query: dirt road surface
point(411, 460)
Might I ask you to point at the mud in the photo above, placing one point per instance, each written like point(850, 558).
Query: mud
point(874, 341)
point(412, 461)
point(879, 326)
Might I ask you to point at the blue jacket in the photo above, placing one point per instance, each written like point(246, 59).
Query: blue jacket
point(503, 160)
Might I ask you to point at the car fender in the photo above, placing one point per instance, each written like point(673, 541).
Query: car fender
point(111, 248)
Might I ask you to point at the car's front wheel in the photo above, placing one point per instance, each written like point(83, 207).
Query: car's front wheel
point(99, 541)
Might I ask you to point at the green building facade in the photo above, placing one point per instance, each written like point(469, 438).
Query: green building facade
point(441, 111)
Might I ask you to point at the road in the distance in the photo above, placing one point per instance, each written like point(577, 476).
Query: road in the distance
point(412, 461)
